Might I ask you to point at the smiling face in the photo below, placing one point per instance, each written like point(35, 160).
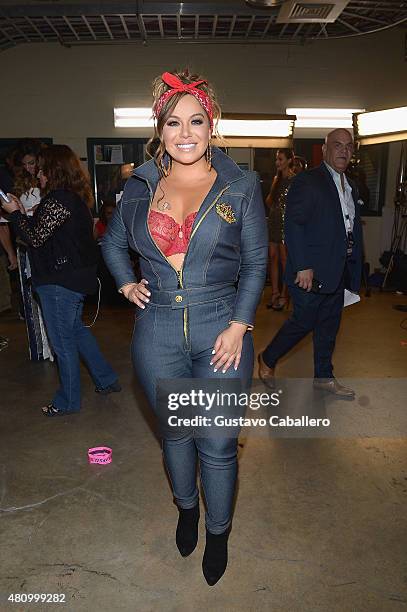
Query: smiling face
point(29, 164)
point(186, 132)
point(338, 150)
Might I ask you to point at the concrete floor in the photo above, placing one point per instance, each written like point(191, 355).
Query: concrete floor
point(320, 524)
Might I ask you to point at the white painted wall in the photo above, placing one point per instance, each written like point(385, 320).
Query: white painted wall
point(69, 94)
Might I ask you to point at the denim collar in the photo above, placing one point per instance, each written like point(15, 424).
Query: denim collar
point(228, 171)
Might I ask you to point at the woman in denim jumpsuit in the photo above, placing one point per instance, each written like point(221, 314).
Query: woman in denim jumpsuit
point(185, 317)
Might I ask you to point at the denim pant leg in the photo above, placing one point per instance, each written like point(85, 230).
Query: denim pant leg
point(101, 371)
point(218, 454)
point(218, 471)
point(158, 352)
point(180, 458)
point(60, 307)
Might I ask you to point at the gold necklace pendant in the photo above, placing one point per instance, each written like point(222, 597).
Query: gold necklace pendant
point(163, 206)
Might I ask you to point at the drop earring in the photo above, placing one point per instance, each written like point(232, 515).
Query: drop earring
point(165, 169)
point(208, 156)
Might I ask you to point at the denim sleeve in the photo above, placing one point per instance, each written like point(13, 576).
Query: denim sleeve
point(253, 258)
point(115, 249)
point(298, 213)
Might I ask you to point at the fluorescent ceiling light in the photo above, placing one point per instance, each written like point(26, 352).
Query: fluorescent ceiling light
point(323, 117)
point(133, 117)
point(263, 128)
point(233, 125)
point(386, 121)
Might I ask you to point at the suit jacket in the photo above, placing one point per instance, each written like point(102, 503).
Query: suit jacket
point(228, 244)
point(315, 232)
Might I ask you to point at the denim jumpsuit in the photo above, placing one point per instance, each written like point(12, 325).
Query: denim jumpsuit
point(221, 280)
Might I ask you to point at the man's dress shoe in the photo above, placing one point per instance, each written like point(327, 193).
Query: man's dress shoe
point(332, 386)
point(266, 374)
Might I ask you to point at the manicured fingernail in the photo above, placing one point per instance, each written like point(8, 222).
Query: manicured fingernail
point(213, 352)
point(223, 371)
point(211, 363)
point(148, 293)
point(142, 306)
point(215, 370)
point(235, 368)
point(147, 300)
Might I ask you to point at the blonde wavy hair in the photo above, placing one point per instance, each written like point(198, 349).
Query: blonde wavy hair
point(155, 147)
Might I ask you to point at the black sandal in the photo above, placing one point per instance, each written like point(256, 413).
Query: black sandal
point(275, 302)
point(283, 303)
point(53, 411)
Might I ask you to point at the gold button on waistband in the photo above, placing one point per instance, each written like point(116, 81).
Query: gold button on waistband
point(178, 298)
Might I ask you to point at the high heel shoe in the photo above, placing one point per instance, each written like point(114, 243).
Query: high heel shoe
point(275, 302)
point(215, 557)
point(283, 303)
point(186, 536)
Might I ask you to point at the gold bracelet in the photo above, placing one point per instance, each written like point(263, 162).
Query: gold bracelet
point(248, 327)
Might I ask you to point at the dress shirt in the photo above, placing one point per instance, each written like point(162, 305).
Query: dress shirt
point(345, 197)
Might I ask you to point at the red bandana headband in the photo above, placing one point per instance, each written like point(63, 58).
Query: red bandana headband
point(178, 86)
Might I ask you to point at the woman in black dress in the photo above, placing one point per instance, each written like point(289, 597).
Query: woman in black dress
point(276, 201)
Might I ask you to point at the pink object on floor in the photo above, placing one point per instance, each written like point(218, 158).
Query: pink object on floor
point(100, 454)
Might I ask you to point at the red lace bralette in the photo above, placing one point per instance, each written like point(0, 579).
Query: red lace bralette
point(169, 236)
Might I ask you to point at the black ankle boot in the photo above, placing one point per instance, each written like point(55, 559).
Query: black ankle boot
point(215, 557)
point(187, 530)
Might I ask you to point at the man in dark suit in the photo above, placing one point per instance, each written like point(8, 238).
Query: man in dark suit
point(324, 241)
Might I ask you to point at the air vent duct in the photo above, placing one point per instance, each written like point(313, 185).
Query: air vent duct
point(311, 11)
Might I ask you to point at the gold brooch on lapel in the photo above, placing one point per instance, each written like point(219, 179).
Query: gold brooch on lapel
point(226, 212)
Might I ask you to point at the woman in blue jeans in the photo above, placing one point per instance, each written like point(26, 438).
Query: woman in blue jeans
point(63, 260)
point(197, 222)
